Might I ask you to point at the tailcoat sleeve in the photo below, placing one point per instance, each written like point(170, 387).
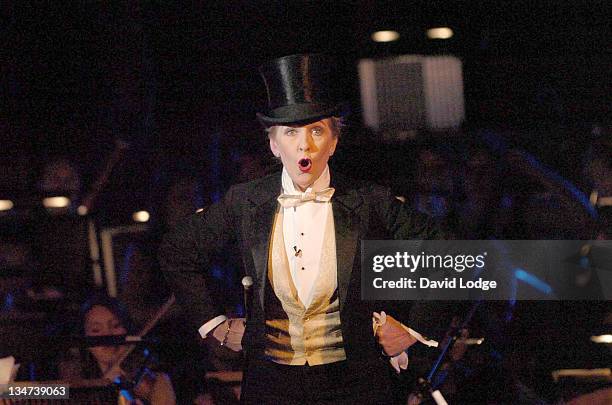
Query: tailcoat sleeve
point(427, 317)
point(187, 251)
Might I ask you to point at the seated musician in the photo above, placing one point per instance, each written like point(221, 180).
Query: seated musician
point(103, 316)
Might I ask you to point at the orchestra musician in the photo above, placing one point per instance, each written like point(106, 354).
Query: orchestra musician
point(104, 316)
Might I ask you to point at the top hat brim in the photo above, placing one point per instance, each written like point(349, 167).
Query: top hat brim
point(301, 114)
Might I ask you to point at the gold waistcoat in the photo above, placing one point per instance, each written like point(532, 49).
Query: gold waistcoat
point(308, 335)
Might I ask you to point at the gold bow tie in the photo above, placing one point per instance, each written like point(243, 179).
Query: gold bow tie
point(290, 200)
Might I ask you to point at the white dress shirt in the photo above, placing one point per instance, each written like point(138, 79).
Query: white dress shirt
point(303, 230)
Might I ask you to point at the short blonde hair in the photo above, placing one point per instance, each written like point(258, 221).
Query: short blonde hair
point(335, 124)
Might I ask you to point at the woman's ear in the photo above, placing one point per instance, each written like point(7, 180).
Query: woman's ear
point(274, 146)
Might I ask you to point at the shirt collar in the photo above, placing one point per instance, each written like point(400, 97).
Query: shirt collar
point(320, 184)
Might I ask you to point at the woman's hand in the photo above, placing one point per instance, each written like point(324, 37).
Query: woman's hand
point(230, 332)
point(393, 338)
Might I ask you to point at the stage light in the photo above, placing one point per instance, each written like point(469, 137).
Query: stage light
point(471, 341)
point(385, 36)
point(604, 201)
point(82, 210)
point(6, 205)
point(603, 373)
point(56, 202)
point(593, 198)
point(199, 210)
point(439, 33)
point(532, 280)
point(602, 339)
point(141, 216)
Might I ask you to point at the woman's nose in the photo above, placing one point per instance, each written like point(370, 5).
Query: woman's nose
point(305, 142)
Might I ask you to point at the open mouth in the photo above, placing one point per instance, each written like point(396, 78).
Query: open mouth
point(305, 165)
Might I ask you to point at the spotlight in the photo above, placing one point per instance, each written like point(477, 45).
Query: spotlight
point(141, 216)
point(82, 210)
point(56, 202)
point(593, 373)
point(471, 341)
point(601, 339)
point(385, 36)
point(6, 205)
point(604, 202)
point(439, 33)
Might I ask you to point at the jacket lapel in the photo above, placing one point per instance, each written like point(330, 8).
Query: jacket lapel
point(258, 226)
point(260, 219)
point(345, 205)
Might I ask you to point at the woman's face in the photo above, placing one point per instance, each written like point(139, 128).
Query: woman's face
point(100, 321)
point(304, 150)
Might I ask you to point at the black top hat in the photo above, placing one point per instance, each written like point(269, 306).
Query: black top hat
point(300, 90)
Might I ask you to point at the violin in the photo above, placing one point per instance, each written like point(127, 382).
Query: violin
point(134, 367)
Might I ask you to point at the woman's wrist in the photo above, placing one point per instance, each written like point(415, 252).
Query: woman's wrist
point(229, 327)
point(386, 356)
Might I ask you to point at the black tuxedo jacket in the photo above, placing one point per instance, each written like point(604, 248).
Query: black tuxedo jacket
point(245, 215)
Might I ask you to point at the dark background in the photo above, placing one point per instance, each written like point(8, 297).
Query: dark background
point(179, 80)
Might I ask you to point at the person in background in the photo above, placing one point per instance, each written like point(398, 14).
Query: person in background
point(143, 289)
point(481, 212)
point(103, 316)
point(433, 183)
point(60, 174)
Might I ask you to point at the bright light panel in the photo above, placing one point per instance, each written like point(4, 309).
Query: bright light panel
point(385, 36)
point(439, 33)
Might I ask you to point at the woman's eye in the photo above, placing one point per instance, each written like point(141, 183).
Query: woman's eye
point(291, 131)
point(317, 131)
